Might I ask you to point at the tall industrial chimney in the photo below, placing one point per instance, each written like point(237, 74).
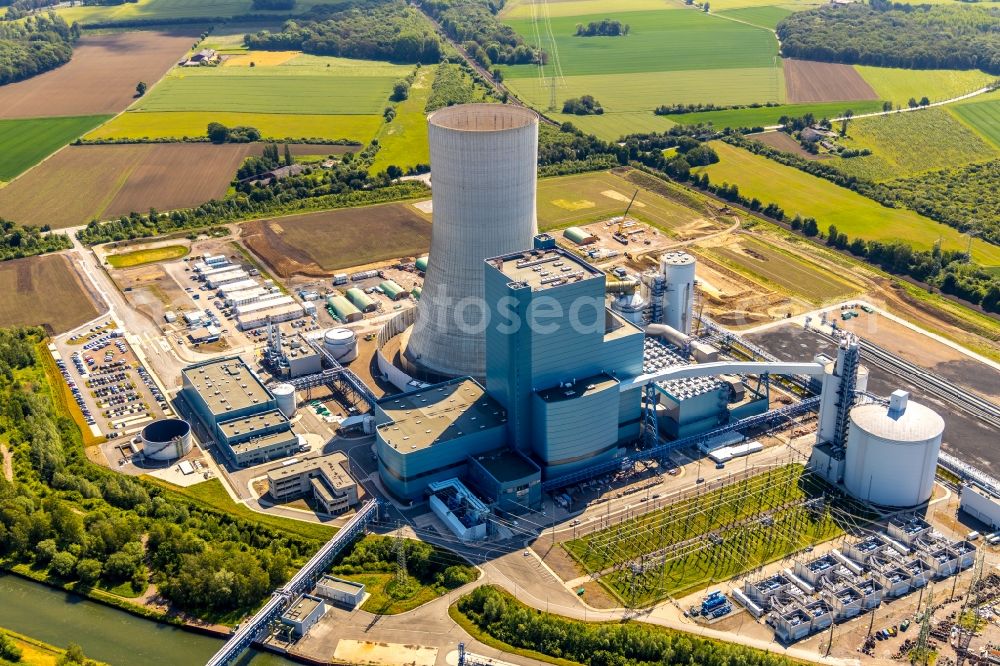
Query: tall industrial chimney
point(483, 169)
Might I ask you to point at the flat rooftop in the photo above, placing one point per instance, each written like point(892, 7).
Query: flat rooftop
point(333, 468)
point(226, 384)
point(544, 269)
point(507, 466)
point(244, 425)
point(438, 413)
point(263, 442)
point(581, 388)
point(301, 608)
point(341, 585)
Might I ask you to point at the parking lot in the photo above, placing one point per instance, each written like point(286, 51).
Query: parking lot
point(114, 391)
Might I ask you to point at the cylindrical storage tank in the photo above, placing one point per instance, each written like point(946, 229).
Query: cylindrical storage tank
point(342, 343)
point(422, 264)
point(343, 309)
point(678, 299)
point(361, 300)
point(392, 290)
point(892, 453)
point(484, 164)
point(630, 306)
point(284, 394)
point(166, 439)
point(415, 292)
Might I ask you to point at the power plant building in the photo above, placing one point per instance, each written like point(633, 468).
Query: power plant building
point(237, 411)
point(484, 160)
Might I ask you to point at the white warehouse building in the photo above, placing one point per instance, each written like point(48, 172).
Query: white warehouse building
point(981, 505)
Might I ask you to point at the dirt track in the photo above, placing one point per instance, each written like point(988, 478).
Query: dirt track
point(100, 78)
point(811, 81)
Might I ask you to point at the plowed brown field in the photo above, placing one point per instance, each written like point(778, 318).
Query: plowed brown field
point(43, 291)
point(100, 78)
point(785, 143)
point(319, 244)
point(811, 81)
point(81, 183)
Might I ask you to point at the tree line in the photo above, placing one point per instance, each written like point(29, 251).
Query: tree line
point(475, 24)
point(17, 241)
point(371, 29)
point(503, 618)
point(680, 109)
point(84, 525)
point(35, 45)
point(889, 34)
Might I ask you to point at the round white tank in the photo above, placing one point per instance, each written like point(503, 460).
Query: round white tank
point(166, 439)
point(892, 454)
point(342, 343)
point(630, 307)
point(484, 165)
point(678, 270)
point(285, 395)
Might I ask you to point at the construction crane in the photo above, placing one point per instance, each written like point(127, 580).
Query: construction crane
point(619, 234)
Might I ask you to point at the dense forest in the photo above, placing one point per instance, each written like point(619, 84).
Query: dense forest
point(505, 619)
point(36, 45)
point(368, 29)
point(475, 24)
point(896, 35)
point(81, 524)
point(18, 241)
point(20, 8)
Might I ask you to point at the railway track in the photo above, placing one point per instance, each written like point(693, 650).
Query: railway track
point(928, 382)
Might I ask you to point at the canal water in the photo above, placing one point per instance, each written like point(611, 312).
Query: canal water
point(106, 634)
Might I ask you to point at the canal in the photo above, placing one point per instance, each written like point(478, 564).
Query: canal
point(106, 634)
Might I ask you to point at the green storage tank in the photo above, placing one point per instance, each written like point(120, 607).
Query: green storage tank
point(361, 300)
point(422, 264)
point(416, 291)
point(392, 289)
point(343, 309)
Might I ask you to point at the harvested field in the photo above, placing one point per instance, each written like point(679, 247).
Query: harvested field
point(318, 244)
point(43, 291)
point(81, 183)
point(785, 143)
point(811, 81)
point(100, 78)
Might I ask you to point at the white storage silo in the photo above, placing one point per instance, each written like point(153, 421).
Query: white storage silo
point(342, 343)
point(484, 172)
point(285, 395)
point(678, 300)
point(892, 452)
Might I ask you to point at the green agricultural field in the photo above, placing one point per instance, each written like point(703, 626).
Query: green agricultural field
point(669, 56)
point(148, 256)
point(767, 116)
point(404, 141)
point(673, 40)
point(984, 117)
point(765, 17)
point(899, 85)
point(800, 193)
point(526, 9)
point(267, 90)
point(179, 124)
point(170, 9)
point(612, 126)
point(583, 198)
point(906, 144)
point(24, 143)
point(787, 273)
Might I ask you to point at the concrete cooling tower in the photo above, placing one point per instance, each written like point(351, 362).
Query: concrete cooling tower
point(483, 172)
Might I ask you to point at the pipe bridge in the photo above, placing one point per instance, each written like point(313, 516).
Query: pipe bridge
point(722, 368)
point(304, 580)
